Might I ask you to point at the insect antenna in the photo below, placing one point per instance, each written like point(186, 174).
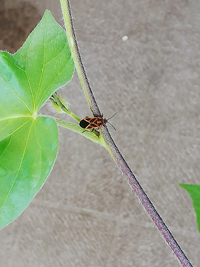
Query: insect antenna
point(111, 125)
point(111, 118)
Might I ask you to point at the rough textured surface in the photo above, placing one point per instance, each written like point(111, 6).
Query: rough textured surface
point(86, 215)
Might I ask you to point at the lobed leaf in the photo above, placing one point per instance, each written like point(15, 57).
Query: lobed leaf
point(29, 142)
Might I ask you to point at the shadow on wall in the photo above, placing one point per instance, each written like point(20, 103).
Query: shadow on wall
point(16, 23)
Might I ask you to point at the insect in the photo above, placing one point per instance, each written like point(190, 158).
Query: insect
point(91, 123)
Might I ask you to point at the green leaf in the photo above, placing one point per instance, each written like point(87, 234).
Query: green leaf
point(29, 77)
point(27, 157)
point(29, 142)
point(194, 191)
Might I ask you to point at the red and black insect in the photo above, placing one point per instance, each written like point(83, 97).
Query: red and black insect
point(91, 123)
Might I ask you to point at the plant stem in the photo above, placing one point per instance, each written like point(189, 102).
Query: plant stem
point(66, 10)
point(110, 145)
point(76, 128)
point(139, 191)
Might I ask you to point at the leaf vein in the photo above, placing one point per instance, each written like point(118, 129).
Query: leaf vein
point(17, 172)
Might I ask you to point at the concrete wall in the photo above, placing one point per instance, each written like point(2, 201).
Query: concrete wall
point(86, 215)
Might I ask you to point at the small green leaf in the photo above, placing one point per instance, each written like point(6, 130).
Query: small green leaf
point(29, 142)
point(194, 191)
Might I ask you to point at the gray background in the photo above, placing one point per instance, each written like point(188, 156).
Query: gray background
point(86, 214)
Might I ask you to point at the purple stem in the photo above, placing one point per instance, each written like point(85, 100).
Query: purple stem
point(139, 191)
point(125, 168)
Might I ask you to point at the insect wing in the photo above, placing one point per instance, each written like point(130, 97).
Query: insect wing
point(84, 124)
point(92, 123)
